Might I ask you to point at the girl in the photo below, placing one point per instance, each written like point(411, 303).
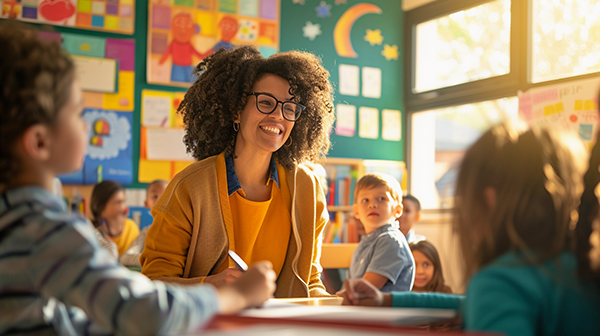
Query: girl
point(428, 272)
point(109, 211)
point(250, 121)
point(515, 210)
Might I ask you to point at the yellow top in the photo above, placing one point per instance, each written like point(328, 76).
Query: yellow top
point(130, 231)
point(264, 225)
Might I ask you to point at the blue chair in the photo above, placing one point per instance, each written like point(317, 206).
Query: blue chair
point(145, 218)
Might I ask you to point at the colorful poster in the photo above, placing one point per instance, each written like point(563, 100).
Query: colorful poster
point(183, 32)
point(109, 152)
point(106, 15)
point(162, 151)
point(572, 106)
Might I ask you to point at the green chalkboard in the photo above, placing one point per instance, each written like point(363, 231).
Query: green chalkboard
point(353, 18)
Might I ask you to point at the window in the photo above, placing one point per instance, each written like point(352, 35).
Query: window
point(466, 62)
point(467, 45)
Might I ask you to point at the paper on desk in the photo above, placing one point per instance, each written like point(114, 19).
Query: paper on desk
point(370, 315)
point(295, 330)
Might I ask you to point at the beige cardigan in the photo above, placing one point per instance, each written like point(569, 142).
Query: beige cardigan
point(188, 238)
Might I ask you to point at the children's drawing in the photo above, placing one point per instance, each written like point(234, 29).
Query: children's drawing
point(111, 131)
point(181, 49)
point(11, 9)
point(183, 32)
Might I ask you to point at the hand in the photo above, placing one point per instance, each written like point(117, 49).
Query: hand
point(227, 277)
point(360, 292)
point(253, 288)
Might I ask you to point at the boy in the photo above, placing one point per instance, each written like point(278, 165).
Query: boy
point(410, 215)
point(54, 276)
point(131, 257)
point(382, 257)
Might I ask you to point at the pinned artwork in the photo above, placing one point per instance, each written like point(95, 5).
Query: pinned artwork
point(162, 151)
point(570, 106)
point(368, 122)
point(109, 150)
point(106, 15)
point(345, 121)
point(391, 125)
point(183, 32)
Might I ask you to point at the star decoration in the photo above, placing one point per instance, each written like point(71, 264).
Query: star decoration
point(323, 10)
point(374, 37)
point(340, 2)
point(390, 52)
point(301, 2)
point(311, 30)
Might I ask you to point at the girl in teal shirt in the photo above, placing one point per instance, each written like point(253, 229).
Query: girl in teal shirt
point(515, 212)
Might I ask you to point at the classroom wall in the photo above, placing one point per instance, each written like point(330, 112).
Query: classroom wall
point(367, 27)
point(294, 16)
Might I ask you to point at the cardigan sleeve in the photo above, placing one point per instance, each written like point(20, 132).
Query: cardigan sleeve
point(168, 239)
point(315, 286)
point(428, 300)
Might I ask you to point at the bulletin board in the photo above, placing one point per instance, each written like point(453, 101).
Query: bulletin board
point(360, 44)
point(106, 15)
point(571, 106)
point(162, 152)
point(108, 115)
point(182, 32)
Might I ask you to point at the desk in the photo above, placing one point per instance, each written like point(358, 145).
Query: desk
point(280, 321)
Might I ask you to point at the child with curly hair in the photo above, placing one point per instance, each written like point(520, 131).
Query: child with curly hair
point(250, 122)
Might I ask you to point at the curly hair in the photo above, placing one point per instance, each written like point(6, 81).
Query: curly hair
point(36, 79)
point(219, 94)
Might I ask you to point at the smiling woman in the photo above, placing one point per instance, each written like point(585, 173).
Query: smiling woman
point(250, 122)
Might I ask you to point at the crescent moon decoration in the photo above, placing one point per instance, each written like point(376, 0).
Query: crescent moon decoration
point(341, 32)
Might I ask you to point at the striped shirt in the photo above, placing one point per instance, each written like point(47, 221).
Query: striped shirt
point(55, 278)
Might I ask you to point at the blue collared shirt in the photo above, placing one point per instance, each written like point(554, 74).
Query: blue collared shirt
point(385, 252)
point(233, 184)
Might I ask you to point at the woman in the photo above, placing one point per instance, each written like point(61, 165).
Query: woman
point(249, 122)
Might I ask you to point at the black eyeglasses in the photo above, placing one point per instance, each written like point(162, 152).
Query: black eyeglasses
point(266, 103)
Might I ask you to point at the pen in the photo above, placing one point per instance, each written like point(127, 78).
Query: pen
point(239, 263)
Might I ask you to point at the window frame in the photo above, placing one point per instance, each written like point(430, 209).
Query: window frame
point(517, 80)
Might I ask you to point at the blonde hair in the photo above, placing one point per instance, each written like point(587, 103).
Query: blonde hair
point(374, 180)
point(536, 179)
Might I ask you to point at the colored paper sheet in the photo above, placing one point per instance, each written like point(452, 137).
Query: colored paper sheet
point(156, 108)
point(84, 45)
point(166, 144)
point(368, 122)
point(248, 7)
point(122, 100)
point(391, 125)
point(93, 99)
point(154, 170)
point(348, 80)
point(229, 6)
point(96, 74)
point(269, 9)
point(371, 82)
point(122, 50)
point(345, 120)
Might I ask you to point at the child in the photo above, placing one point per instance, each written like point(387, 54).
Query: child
point(109, 210)
point(515, 207)
point(428, 271)
point(410, 215)
point(131, 257)
point(54, 276)
point(382, 256)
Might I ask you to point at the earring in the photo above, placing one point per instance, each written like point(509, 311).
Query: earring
point(286, 144)
point(236, 126)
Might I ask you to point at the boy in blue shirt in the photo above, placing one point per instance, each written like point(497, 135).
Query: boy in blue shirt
point(55, 278)
point(382, 257)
